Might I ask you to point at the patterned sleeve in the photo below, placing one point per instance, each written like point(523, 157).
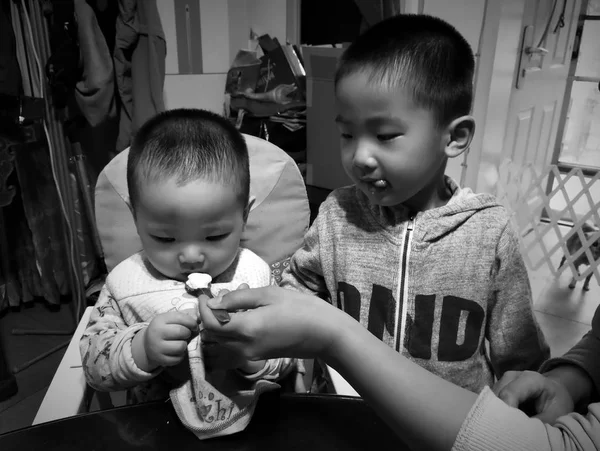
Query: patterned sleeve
point(105, 348)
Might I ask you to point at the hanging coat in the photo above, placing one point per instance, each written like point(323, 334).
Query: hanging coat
point(95, 91)
point(139, 58)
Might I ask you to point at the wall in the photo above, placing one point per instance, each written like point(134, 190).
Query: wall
point(224, 29)
point(467, 16)
point(324, 169)
point(509, 25)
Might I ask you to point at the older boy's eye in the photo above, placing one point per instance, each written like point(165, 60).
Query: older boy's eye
point(388, 136)
point(163, 239)
point(346, 135)
point(217, 237)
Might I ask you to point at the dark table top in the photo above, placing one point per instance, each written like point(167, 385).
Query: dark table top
point(290, 422)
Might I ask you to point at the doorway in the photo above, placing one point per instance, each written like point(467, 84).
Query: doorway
point(576, 185)
point(546, 173)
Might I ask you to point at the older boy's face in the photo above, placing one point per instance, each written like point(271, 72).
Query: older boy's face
point(191, 228)
point(392, 149)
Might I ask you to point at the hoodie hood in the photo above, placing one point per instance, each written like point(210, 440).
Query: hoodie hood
point(431, 225)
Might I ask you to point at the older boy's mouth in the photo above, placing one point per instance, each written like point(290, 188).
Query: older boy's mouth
point(376, 185)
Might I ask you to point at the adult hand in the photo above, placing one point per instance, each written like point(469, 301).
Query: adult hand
point(536, 394)
point(220, 357)
point(276, 323)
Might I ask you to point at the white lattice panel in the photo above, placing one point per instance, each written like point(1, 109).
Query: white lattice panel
point(523, 190)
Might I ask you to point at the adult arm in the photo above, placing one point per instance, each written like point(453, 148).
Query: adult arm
point(426, 411)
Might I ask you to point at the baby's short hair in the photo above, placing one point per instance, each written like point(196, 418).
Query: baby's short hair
point(420, 53)
point(188, 145)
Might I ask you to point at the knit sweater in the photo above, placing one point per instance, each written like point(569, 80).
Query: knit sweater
point(435, 285)
point(492, 425)
point(134, 293)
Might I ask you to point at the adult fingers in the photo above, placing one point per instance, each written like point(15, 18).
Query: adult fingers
point(208, 318)
point(527, 387)
point(506, 379)
point(243, 299)
point(210, 323)
point(208, 336)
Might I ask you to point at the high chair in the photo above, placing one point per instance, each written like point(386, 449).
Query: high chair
point(277, 222)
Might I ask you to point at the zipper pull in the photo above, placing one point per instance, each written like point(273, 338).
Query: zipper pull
point(411, 224)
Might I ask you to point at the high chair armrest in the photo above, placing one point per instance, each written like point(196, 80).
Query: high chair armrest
point(66, 394)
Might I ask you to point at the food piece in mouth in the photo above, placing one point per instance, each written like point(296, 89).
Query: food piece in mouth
point(199, 283)
point(378, 186)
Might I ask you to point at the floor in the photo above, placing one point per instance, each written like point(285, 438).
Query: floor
point(563, 314)
point(19, 411)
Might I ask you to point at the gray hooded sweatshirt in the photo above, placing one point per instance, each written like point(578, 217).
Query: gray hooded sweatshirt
point(435, 286)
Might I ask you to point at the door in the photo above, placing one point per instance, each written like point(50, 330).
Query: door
point(537, 95)
point(577, 149)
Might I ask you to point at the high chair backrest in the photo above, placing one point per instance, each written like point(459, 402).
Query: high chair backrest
point(276, 224)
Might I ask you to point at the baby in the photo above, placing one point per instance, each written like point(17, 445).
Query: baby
point(189, 182)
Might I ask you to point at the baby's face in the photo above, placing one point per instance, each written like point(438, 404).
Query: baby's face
point(393, 150)
point(191, 228)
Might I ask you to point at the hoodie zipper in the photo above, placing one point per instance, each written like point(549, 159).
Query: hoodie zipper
point(402, 292)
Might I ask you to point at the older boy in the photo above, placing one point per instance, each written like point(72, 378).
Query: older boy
point(430, 268)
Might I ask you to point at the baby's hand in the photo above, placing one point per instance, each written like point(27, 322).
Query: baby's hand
point(165, 340)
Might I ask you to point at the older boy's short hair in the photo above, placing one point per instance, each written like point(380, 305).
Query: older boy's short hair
point(188, 145)
point(420, 53)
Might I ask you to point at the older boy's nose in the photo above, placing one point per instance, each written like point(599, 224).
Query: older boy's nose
point(363, 157)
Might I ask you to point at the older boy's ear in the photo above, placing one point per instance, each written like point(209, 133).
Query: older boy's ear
point(461, 131)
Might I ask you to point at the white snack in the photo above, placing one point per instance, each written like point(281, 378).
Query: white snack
point(198, 281)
